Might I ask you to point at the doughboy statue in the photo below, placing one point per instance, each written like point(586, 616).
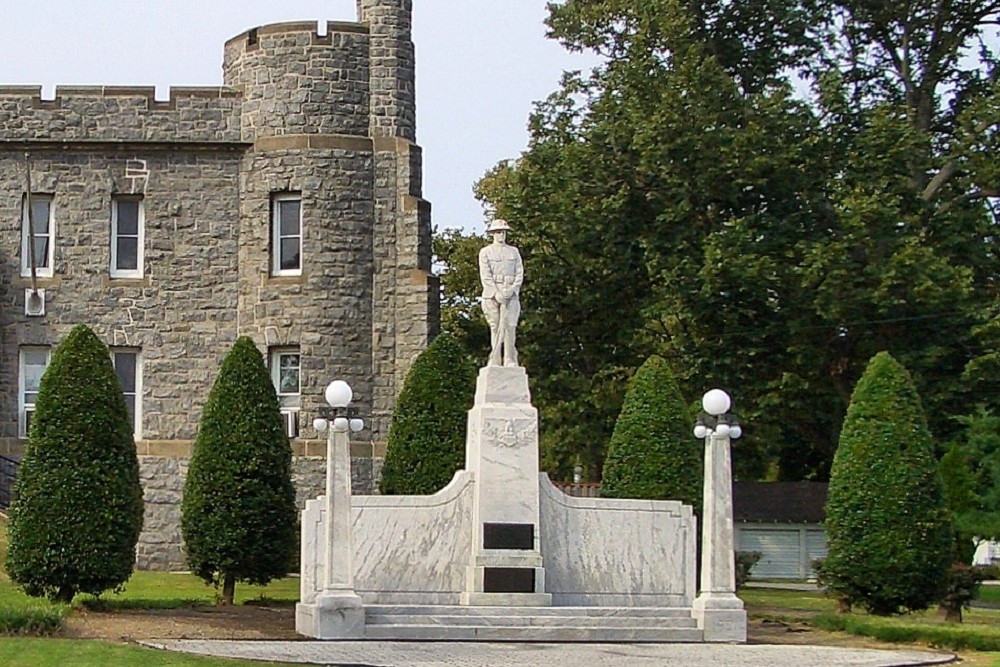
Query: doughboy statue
point(501, 272)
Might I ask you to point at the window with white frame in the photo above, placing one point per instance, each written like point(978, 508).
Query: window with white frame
point(127, 236)
point(286, 373)
point(128, 368)
point(286, 234)
point(33, 360)
point(41, 232)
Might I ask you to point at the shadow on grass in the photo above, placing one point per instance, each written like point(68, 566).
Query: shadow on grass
point(39, 621)
point(128, 604)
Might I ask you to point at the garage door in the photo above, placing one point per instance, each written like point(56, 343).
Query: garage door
point(780, 553)
point(816, 544)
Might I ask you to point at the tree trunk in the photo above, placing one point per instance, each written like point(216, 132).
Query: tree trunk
point(843, 606)
point(952, 614)
point(228, 590)
point(65, 594)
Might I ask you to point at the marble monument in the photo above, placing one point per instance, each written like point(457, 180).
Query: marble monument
point(502, 554)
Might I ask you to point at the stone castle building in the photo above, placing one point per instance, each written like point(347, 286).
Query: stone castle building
point(284, 205)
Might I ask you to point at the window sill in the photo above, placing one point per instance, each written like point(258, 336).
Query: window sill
point(43, 282)
point(300, 279)
point(113, 281)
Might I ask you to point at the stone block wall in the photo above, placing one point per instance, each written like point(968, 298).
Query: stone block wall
point(120, 114)
point(160, 546)
point(181, 314)
point(296, 81)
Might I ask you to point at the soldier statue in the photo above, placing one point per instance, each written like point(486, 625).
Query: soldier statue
point(501, 272)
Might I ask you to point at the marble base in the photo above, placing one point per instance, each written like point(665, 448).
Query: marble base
point(721, 617)
point(334, 615)
point(506, 599)
point(553, 624)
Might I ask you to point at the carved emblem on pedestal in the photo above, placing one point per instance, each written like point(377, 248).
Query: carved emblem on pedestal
point(508, 433)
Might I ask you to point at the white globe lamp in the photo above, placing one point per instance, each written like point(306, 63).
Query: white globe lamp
point(338, 394)
point(716, 402)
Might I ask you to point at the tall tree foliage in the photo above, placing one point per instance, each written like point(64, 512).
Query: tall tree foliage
point(238, 515)
point(974, 464)
point(765, 207)
point(887, 524)
point(77, 508)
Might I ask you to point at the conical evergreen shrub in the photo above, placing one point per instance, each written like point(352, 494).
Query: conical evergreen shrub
point(887, 525)
point(652, 454)
point(77, 509)
point(238, 516)
point(426, 444)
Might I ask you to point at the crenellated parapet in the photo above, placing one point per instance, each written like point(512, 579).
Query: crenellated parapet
point(120, 114)
point(295, 80)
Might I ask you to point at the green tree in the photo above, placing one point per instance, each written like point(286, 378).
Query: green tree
point(456, 255)
point(976, 455)
point(426, 444)
point(888, 528)
point(652, 454)
point(686, 199)
point(238, 515)
point(77, 509)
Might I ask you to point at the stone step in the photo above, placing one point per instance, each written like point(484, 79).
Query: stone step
point(565, 612)
point(532, 621)
point(531, 633)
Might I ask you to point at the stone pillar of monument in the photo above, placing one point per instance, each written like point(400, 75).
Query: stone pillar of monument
point(502, 453)
point(720, 614)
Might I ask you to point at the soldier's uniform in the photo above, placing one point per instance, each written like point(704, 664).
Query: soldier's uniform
point(501, 272)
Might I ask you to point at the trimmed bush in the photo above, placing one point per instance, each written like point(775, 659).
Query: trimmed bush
point(77, 509)
point(888, 529)
point(238, 516)
point(745, 560)
point(652, 454)
point(427, 436)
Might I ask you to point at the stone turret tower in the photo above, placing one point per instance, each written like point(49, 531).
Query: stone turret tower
point(393, 91)
point(332, 121)
point(406, 293)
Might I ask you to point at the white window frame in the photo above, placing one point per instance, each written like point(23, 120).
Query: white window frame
point(137, 417)
point(276, 237)
point(23, 407)
point(46, 271)
point(289, 402)
point(140, 238)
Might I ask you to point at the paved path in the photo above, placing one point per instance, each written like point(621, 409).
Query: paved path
point(457, 654)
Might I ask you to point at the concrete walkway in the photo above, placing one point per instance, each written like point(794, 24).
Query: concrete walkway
point(457, 654)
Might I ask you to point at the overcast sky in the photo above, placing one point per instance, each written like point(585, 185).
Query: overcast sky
point(480, 65)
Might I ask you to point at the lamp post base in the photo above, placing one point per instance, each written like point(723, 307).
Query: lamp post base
point(334, 615)
point(721, 617)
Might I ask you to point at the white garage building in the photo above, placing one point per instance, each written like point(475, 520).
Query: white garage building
point(783, 521)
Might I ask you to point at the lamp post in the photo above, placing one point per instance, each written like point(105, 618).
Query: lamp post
point(342, 613)
point(719, 612)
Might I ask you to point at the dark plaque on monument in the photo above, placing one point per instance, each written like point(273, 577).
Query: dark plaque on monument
point(509, 536)
point(509, 580)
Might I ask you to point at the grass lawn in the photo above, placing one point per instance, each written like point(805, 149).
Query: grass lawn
point(144, 590)
point(28, 652)
point(990, 593)
point(977, 637)
point(159, 590)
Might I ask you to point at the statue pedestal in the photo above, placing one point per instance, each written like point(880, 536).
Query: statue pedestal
point(502, 454)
